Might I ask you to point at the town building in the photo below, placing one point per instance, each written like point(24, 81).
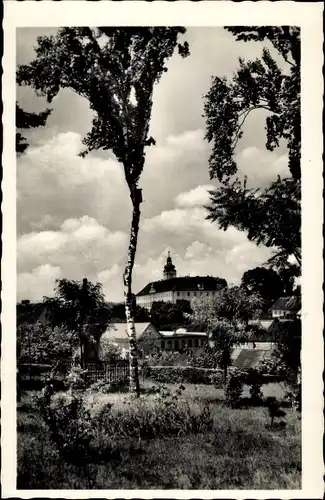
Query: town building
point(151, 339)
point(172, 288)
point(286, 307)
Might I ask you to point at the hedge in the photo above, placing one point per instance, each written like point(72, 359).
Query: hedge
point(181, 374)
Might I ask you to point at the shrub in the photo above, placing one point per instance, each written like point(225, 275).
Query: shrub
point(181, 374)
point(164, 358)
point(164, 414)
point(108, 387)
point(69, 424)
point(109, 351)
point(234, 387)
point(76, 378)
point(253, 378)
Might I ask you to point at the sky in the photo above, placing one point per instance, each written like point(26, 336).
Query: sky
point(73, 214)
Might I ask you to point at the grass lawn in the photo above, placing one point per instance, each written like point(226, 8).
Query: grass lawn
point(240, 452)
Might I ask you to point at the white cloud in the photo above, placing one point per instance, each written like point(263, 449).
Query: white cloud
point(198, 196)
point(35, 284)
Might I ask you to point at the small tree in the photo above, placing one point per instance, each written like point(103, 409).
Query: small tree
point(225, 318)
point(109, 351)
point(80, 307)
point(115, 69)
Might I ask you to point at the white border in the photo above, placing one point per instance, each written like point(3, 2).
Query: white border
point(309, 17)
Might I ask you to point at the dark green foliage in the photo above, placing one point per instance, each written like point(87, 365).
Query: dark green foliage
point(40, 343)
point(118, 313)
point(270, 216)
point(288, 349)
point(25, 120)
point(182, 374)
point(234, 387)
point(265, 282)
point(255, 380)
point(169, 316)
point(274, 409)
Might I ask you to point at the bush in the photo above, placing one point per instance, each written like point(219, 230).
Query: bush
point(234, 387)
point(109, 351)
point(182, 374)
point(164, 414)
point(164, 358)
point(254, 379)
point(69, 424)
point(109, 387)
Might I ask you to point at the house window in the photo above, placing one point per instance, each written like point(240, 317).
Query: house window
point(176, 344)
point(189, 342)
point(177, 294)
point(213, 293)
point(207, 293)
point(194, 293)
point(183, 343)
point(188, 294)
point(169, 344)
point(196, 342)
point(163, 344)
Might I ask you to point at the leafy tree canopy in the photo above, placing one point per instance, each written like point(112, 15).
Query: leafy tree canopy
point(266, 282)
point(78, 301)
point(169, 316)
point(270, 216)
point(25, 120)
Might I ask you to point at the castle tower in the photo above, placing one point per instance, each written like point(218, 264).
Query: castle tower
point(169, 269)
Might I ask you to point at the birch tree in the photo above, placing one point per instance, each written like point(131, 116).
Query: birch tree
point(115, 69)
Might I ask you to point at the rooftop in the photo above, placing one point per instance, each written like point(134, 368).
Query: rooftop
point(184, 283)
point(292, 303)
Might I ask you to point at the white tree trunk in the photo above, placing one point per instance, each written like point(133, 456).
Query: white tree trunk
point(130, 303)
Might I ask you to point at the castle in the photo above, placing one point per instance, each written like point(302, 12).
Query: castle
point(172, 288)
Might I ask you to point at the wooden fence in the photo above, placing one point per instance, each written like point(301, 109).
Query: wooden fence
point(108, 372)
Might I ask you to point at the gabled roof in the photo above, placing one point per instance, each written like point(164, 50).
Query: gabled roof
point(287, 304)
point(119, 331)
point(183, 283)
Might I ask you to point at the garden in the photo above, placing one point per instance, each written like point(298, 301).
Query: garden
point(174, 436)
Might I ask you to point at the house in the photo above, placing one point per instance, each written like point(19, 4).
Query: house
point(172, 288)
point(148, 336)
point(181, 339)
point(286, 307)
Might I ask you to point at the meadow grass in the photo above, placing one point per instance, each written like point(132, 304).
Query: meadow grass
point(239, 452)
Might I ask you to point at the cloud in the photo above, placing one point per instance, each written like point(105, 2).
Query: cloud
point(198, 196)
point(35, 284)
point(261, 166)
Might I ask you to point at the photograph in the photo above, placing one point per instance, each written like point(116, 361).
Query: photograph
point(159, 257)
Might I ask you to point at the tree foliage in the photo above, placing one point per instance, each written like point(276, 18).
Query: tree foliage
point(80, 307)
point(169, 316)
point(25, 120)
point(270, 216)
point(42, 343)
point(265, 282)
point(225, 318)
